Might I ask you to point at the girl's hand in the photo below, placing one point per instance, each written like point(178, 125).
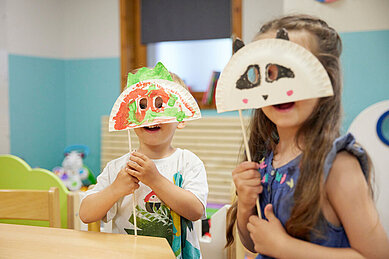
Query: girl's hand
point(268, 235)
point(125, 183)
point(143, 168)
point(247, 180)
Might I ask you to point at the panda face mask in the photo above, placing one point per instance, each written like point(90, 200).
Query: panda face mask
point(269, 72)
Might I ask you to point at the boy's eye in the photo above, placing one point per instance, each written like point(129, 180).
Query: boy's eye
point(158, 102)
point(143, 103)
point(275, 72)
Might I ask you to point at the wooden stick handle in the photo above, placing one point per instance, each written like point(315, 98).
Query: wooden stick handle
point(133, 195)
point(248, 154)
point(246, 145)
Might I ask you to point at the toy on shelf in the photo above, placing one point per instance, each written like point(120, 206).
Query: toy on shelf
point(75, 175)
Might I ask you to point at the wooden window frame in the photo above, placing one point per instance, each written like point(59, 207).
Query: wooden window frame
point(134, 53)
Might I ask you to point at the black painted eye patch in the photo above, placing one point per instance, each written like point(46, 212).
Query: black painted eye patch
point(275, 72)
point(251, 78)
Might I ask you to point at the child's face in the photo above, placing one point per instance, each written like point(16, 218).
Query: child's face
point(157, 135)
point(293, 114)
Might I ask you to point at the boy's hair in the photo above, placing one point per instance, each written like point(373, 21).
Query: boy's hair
point(316, 134)
point(178, 80)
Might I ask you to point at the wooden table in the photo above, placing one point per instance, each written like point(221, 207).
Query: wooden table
point(17, 241)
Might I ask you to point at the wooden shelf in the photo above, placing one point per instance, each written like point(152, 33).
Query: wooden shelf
point(199, 97)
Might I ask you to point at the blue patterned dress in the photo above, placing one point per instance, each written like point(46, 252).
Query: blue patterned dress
point(279, 185)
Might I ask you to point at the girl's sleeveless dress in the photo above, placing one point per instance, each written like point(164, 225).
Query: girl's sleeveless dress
point(279, 185)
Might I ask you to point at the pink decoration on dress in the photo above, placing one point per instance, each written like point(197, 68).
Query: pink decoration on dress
point(289, 93)
point(245, 100)
point(283, 179)
point(262, 165)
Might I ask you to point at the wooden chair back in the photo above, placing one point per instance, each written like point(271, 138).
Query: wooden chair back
point(31, 205)
point(15, 173)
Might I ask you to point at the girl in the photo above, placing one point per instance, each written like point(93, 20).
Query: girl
point(314, 186)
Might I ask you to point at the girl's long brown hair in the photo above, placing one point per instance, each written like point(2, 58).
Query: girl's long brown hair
point(316, 134)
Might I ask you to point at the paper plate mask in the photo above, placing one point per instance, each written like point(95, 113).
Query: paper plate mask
point(268, 72)
point(151, 102)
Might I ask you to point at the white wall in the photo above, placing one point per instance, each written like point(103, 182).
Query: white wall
point(34, 28)
point(255, 13)
point(345, 15)
point(91, 28)
point(63, 29)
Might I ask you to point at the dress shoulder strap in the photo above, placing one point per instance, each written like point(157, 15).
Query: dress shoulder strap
point(349, 144)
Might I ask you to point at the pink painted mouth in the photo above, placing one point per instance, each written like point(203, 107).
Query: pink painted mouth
point(245, 100)
point(289, 93)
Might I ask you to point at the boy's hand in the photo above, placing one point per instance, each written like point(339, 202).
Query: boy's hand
point(125, 183)
point(143, 168)
point(247, 181)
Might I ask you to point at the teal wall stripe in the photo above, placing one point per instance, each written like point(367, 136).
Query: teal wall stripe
point(56, 102)
point(37, 108)
point(92, 86)
point(365, 62)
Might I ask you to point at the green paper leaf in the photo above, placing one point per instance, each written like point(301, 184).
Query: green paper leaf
point(158, 72)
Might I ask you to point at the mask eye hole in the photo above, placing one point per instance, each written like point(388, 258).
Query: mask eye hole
point(143, 103)
point(158, 102)
point(253, 75)
point(271, 72)
point(275, 72)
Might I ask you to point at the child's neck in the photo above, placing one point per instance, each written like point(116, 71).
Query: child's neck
point(156, 152)
point(286, 149)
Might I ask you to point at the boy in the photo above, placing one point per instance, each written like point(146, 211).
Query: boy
point(169, 182)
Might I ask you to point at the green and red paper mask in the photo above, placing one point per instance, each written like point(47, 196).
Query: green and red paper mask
point(151, 97)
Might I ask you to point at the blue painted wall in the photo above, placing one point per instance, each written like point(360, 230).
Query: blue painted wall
point(365, 62)
point(55, 102)
point(37, 109)
point(92, 86)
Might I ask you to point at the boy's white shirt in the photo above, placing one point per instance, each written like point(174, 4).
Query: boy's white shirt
point(183, 161)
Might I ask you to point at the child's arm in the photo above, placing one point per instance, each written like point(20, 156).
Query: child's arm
point(248, 186)
point(95, 206)
point(182, 201)
point(247, 181)
point(349, 196)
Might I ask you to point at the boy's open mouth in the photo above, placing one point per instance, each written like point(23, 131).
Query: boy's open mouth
point(152, 128)
point(284, 106)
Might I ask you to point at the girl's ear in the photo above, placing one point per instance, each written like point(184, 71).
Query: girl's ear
point(181, 125)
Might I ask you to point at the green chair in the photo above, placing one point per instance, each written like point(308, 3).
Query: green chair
point(15, 173)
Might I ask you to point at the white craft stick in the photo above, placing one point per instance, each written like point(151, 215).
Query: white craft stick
point(246, 145)
point(133, 195)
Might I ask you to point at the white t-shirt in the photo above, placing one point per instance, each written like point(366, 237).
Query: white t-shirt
point(154, 218)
